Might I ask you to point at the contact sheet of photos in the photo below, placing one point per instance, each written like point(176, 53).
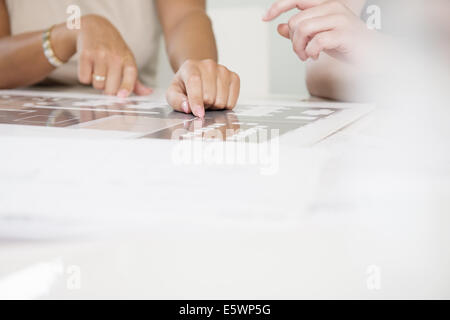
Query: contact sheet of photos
point(150, 120)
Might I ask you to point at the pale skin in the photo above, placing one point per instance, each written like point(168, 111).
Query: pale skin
point(344, 57)
point(200, 83)
point(332, 38)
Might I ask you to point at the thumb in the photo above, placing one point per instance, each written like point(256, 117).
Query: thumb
point(283, 30)
point(142, 90)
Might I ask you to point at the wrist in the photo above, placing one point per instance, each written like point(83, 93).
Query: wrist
point(64, 41)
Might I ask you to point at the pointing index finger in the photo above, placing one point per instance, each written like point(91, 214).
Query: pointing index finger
point(192, 79)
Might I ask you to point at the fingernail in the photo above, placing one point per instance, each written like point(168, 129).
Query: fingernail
point(123, 93)
point(185, 106)
point(201, 112)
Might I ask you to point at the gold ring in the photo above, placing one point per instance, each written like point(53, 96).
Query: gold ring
point(99, 78)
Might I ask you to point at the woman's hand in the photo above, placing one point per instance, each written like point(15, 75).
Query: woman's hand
point(106, 61)
point(201, 85)
point(324, 26)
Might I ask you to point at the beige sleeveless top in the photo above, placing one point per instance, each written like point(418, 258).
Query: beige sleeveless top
point(135, 19)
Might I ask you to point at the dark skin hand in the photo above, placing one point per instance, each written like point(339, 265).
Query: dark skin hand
point(200, 82)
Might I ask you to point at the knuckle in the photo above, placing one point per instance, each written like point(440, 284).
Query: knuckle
point(131, 70)
point(86, 55)
point(292, 23)
point(194, 79)
point(220, 104)
point(116, 59)
point(101, 54)
point(309, 50)
point(222, 70)
point(208, 99)
point(210, 63)
point(232, 104)
point(305, 27)
point(189, 63)
point(321, 40)
point(129, 57)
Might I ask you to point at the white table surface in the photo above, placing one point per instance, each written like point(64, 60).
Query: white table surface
point(364, 214)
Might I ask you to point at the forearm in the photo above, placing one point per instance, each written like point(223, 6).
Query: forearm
point(341, 82)
point(331, 79)
point(22, 59)
point(191, 38)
